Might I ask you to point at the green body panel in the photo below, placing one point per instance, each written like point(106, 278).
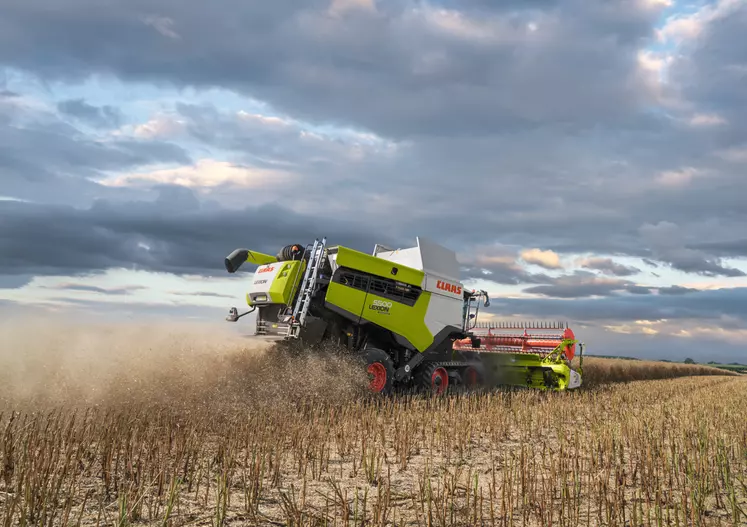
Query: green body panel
point(346, 298)
point(260, 258)
point(401, 319)
point(378, 266)
point(526, 369)
point(283, 286)
point(409, 322)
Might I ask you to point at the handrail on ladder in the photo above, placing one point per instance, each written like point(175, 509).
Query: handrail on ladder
point(307, 287)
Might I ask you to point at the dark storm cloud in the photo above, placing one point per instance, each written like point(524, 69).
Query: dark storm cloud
point(162, 235)
point(403, 70)
point(585, 284)
point(675, 290)
point(666, 242)
point(266, 141)
point(585, 193)
point(99, 116)
point(582, 284)
point(36, 153)
point(550, 181)
point(504, 274)
point(706, 306)
point(718, 61)
point(608, 266)
point(729, 248)
point(14, 281)
point(43, 158)
point(450, 85)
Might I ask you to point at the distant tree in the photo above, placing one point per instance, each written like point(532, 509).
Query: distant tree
point(689, 361)
point(712, 362)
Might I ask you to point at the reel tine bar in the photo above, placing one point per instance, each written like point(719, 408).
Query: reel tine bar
point(523, 325)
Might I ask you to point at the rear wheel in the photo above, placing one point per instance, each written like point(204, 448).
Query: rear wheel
point(380, 371)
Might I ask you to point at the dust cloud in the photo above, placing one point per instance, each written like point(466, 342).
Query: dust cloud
point(67, 363)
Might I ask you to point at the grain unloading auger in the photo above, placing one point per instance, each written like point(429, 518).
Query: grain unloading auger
point(405, 311)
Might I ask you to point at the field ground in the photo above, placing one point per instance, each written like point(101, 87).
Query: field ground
point(176, 430)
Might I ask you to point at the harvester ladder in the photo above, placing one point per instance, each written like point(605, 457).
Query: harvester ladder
point(316, 257)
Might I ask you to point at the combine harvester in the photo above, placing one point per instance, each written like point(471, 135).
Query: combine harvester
point(406, 312)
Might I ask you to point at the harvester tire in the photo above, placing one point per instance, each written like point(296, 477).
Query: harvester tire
point(380, 369)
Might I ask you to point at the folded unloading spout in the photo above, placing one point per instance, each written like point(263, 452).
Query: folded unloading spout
point(236, 259)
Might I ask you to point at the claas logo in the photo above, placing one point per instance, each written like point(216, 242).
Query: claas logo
point(266, 269)
point(451, 288)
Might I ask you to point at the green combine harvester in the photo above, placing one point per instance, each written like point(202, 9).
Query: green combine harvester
point(406, 313)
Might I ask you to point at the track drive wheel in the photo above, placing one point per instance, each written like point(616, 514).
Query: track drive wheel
point(380, 371)
point(434, 379)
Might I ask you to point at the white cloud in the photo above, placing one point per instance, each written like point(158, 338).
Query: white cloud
point(681, 28)
point(163, 25)
point(25, 103)
point(457, 24)
point(644, 327)
point(341, 7)
point(657, 4)
point(547, 259)
point(684, 27)
point(707, 119)
point(205, 173)
point(677, 178)
point(653, 68)
point(161, 126)
point(264, 120)
point(732, 336)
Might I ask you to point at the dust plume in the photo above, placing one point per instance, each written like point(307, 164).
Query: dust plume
point(60, 362)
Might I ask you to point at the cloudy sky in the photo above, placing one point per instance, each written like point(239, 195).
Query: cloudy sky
point(586, 159)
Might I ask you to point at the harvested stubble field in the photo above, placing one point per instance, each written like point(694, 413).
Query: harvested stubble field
point(139, 425)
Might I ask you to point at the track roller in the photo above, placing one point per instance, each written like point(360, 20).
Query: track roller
point(434, 378)
point(472, 377)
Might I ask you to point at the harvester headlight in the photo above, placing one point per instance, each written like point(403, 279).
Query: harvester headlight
point(260, 298)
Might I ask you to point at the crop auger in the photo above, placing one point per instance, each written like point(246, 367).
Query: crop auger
point(406, 313)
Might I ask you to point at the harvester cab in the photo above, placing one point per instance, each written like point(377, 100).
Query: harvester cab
point(405, 311)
